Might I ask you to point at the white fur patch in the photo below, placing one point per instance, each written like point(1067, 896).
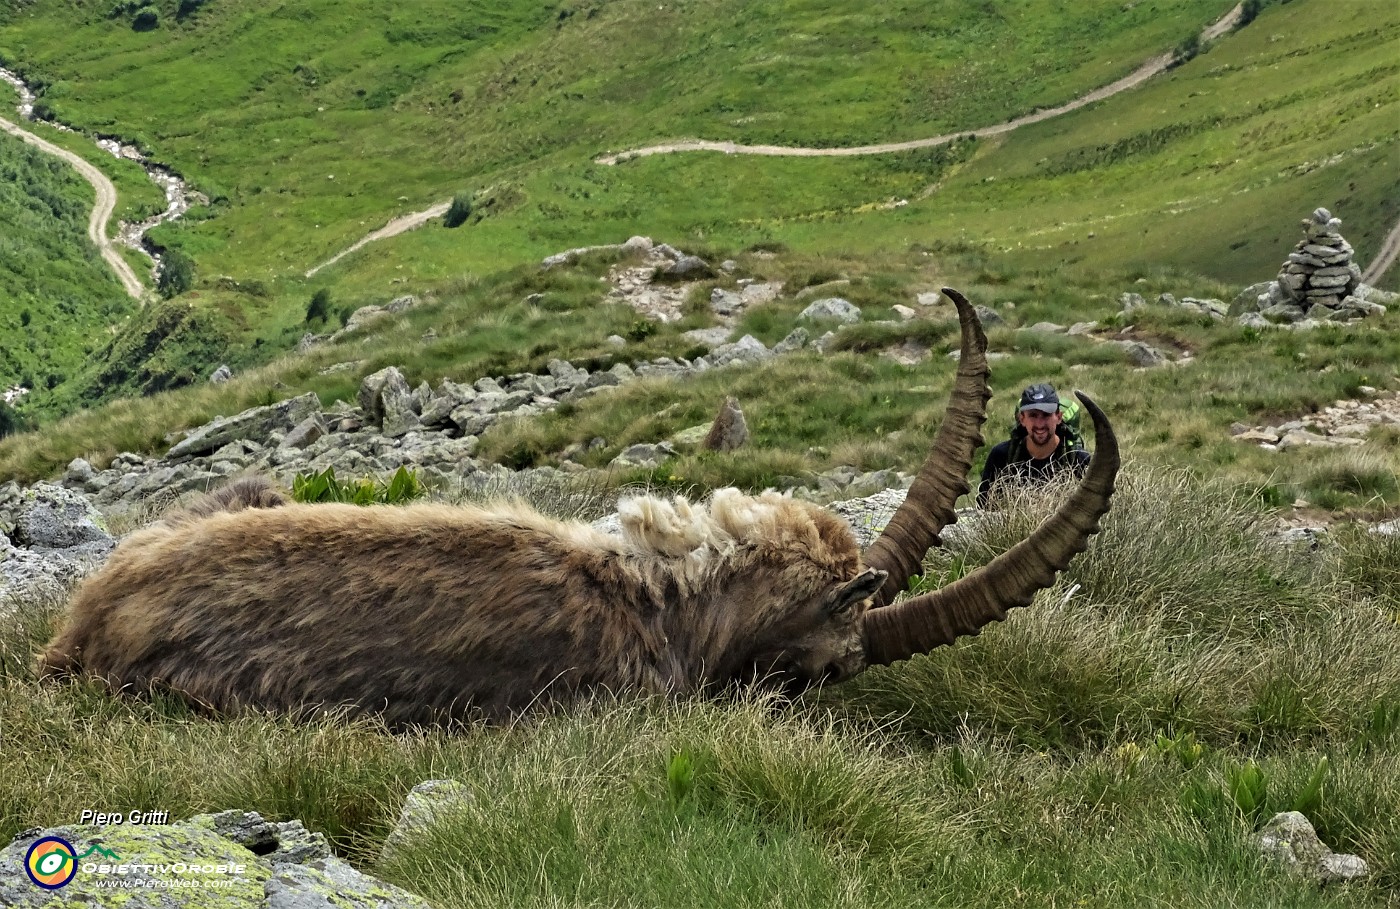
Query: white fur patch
point(676, 528)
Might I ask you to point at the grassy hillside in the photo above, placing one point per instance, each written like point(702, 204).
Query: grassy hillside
point(310, 124)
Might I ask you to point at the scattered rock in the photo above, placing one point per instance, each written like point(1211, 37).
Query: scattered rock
point(257, 863)
point(257, 424)
point(1339, 424)
point(1290, 839)
point(831, 309)
point(729, 430)
point(425, 804)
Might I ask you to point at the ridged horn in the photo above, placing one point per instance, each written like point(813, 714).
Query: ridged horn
point(965, 606)
point(928, 507)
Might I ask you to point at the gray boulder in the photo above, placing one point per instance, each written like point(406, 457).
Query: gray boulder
point(729, 431)
point(686, 268)
point(644, 455)
point(988, 316)
point(375, 386)
point(1290, 839)
point(1251, 299)
point(52, 517)
point(830, 309)
point(1144, 355)
point(425, 804)
point(747, 349)
point(256, 425)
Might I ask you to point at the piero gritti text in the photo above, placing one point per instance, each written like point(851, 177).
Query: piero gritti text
point(135, 818)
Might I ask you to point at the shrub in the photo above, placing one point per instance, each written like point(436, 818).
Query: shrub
point(1187, 50)
point(319, 309)
point(147, 19)
point(10, 420)
point(188, 8)
point(459, 211)
point(177, 275)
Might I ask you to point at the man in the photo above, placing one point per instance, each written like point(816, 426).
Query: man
point(1040, 446)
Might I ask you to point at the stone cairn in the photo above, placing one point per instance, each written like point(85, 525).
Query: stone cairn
point(1320, 270)
point(1319, 281)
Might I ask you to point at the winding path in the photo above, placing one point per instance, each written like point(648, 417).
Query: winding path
point(1149, 69)
point(102, 208)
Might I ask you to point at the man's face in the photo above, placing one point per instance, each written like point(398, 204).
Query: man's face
point(1040, 426)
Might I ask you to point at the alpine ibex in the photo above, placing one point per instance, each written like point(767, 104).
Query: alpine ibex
point(433, 613)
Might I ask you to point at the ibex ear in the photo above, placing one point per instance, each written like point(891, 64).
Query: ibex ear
point(859, 588)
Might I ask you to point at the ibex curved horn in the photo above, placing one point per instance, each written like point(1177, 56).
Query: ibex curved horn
point(928, 507)
point(965, 606)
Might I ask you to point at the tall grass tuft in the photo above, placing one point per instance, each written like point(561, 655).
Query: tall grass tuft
point(1185, 614)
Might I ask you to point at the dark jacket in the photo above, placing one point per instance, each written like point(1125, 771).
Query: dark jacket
point(1012, 462)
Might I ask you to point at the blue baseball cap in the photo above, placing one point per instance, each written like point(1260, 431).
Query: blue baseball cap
point(1040, 397)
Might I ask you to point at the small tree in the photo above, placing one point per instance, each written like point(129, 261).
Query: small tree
point(1187, 49)
point(147, 19)
point(10, 420)
point(177, 274)
point(319, 309)
point(459, 211)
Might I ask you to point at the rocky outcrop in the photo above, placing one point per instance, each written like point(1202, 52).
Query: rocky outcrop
point(232, 858)
point(1345, 423)
point(49, 537)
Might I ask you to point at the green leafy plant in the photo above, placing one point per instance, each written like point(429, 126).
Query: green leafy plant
point(1248, 787)
point(1309, 799)
point(680, 777)
point(403, 486)
point(1182, 746)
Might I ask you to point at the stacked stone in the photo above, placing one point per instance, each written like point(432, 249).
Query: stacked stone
point(1319, 275)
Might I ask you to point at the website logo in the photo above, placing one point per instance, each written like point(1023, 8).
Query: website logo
point(52, 861)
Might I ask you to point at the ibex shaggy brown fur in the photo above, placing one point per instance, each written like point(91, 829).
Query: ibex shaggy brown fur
point(433, 613)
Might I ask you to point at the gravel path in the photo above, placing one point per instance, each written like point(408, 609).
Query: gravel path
point(102, 209)
point(392, 229)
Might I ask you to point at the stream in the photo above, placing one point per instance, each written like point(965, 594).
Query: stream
point(178, 196)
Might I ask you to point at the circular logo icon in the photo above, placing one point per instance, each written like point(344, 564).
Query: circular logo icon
point(51, 862)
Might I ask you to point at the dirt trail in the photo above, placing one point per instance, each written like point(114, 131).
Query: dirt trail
point(1389, 252)
point(1149, 69)
point(102, 208)
point(392, 229)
